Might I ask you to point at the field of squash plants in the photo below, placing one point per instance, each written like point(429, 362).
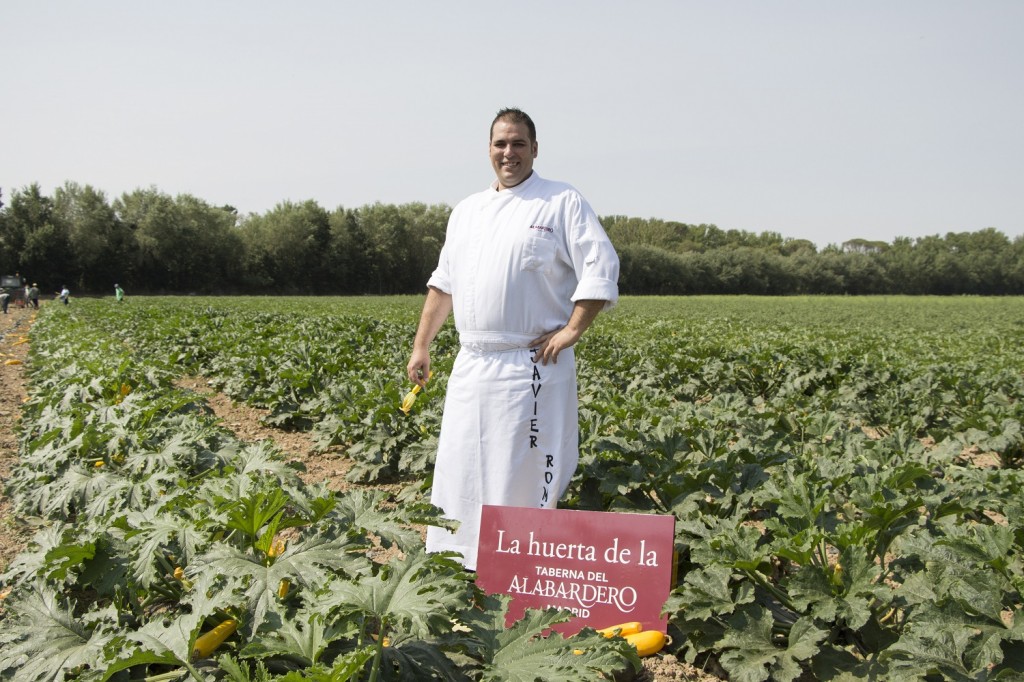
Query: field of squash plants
point(845, 473)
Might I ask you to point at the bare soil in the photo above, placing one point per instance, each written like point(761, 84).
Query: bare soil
point(247, 424)
point(14, 327)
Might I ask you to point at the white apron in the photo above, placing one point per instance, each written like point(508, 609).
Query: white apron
point(509, 436)
point(514, 262)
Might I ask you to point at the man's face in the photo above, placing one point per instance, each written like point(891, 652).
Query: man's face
point(512, 153)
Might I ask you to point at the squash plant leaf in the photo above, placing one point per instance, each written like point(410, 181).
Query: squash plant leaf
point(752, 652)
point(706, 592)
point(252, 512)
point(529, 651)
point(308, 563)
point(150, 533)
point(48, 637)
point(167, 641)
point(362, 509)
point(414, 594)
point(303, 636)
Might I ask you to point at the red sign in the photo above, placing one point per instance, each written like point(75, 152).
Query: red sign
point(607, 568)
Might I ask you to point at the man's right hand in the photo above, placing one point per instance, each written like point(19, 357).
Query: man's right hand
point(418, 368)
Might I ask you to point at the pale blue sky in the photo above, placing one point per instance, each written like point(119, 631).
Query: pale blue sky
point(818, 120)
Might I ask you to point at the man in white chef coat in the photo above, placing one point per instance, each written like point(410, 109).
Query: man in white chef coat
point(525, 267)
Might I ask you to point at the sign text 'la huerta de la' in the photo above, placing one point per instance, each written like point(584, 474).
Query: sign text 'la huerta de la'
point(605, 568)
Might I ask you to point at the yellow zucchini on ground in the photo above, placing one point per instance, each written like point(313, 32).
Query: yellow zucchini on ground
point(647, 643)
point(622, 629)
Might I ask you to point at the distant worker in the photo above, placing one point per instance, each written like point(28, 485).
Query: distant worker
point(118, 293)
point(4, 299)
point(64, 294)
point(32, 294)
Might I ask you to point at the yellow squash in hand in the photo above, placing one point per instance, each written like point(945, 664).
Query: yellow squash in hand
point(410, 397)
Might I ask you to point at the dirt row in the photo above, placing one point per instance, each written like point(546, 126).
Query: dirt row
point(14, 328)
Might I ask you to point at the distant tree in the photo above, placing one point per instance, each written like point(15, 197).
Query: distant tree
point(36, 239)
point(211, 231)
point(1015, 268)
point(710, 237)
point(986, 260)
point(864, 246)
point(648, 270)
point(388, 238)
point(347, 257)
point(183, 244)
point(427, 225)
point(863, 274)
point(102, 246)
point(625, 231)
point(287, 249)
point(792, 247)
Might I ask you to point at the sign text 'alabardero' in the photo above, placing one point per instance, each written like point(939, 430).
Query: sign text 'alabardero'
point(583, 588)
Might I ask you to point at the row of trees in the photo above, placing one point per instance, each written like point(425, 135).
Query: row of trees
point(151, 242)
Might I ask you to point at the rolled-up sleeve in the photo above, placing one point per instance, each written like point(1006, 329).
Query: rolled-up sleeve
point(593, 257)
point(441, 278)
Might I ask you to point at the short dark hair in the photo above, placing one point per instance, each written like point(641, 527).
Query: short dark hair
point(513, 115)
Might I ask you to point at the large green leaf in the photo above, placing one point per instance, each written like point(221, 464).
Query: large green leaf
point(752, 652)
point(415, 594)
point(304, 636)
point(527, 651)
point(308, 564)
point(47, 638)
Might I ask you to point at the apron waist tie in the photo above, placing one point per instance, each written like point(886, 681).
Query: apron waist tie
point(495, 342)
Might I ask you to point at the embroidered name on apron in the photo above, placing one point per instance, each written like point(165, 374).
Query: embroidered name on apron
point(549, 460)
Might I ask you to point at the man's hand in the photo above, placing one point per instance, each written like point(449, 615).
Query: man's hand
point(418, 368)
point(551, 344)
point(436, 309)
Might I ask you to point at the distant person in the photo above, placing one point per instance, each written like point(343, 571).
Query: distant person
point(64, 294)
point(32, 295)
point(5, 298)
point(118, 293)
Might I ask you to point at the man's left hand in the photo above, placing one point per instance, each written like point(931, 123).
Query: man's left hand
point(551, 344)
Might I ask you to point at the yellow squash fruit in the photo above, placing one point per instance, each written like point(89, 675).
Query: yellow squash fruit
point(410, 397)
point(208, 643)
point(622, 629)
point(647, 643)
point(282, 588)
point(12, 361)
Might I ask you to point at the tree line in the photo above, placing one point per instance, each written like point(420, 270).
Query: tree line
point(151, 242)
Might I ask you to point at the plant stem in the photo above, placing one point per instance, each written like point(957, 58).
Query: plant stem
point(167, 677)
